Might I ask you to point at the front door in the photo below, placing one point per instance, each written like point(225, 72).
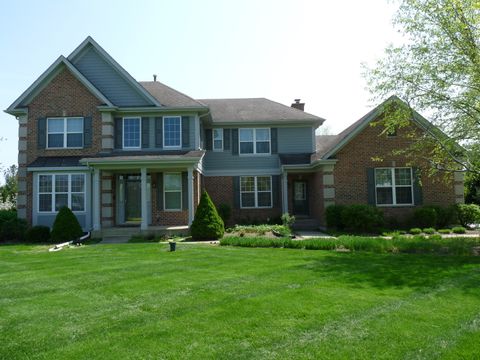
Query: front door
point(300, 198)
point(133, 205)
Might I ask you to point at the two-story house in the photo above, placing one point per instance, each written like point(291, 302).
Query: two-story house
point(120, 152)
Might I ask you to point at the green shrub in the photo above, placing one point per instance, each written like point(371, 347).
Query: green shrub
point(444, 231)
point(225, 212)
point(424, 217)
point(333, 216)
point(415, 231)
point(468, 214)
point(66, 226)
point(459, 230)
point(362, 218)
point(207, 225)
point(445, 215)
point(6, 215)
point(288, 220)
point(13, 230)
point(38, 234)
point(429, 231)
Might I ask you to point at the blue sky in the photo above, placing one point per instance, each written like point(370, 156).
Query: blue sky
point(276, 49)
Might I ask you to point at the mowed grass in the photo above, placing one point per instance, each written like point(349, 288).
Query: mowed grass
point(138, 301)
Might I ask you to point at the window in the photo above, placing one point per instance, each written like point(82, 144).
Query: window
point(172, 131)
point(65, 132)
point(254, 141)
point(394, 186)
point(131, 133)
point(172, 191)
point(57, 190)
point(255, 191)
point(217, 139)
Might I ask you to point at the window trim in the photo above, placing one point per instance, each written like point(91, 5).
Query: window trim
point(255, 142)
point(53, 192)
point(139, 136)
point(394, 186)
point(65, 132)
point(165, 191)
point(163, 132)
point(255, 191)
point(213, 139)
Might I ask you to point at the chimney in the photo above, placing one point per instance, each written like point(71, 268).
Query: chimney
point(154, 77)
point(298, 105)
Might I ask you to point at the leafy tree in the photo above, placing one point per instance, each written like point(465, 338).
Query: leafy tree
point(8, 191)
point(437, 72)
point(207, 225)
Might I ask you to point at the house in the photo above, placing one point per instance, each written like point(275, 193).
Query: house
point(120, 152)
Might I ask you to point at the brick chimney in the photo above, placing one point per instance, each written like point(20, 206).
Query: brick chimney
point(298, 105)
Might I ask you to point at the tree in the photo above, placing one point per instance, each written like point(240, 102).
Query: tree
point(437, 72)
point(207, 225)
point(66, 226)
point(8, 191)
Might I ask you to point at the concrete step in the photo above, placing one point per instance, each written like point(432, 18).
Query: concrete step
point(306, 224)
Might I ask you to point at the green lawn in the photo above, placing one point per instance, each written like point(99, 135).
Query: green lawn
point(140, 301)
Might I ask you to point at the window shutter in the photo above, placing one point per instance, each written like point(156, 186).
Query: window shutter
point(417, 187)
point(371, 186)
point(235, 141)
point(236, 192)
point(158, 132)
point(184, 190)
point(226, 139)
point(87, 132)
point(276, 194)
point(145, 132)
point(41, 133)
point(185, 132)
point(118, 133)
point(273, 140)
point(160, 191)
point(208, 139)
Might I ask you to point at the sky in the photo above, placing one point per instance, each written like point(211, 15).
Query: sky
point(277, 49)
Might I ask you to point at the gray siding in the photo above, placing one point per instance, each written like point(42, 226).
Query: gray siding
point(106, 79)
point(293, 140)
point(224, 160)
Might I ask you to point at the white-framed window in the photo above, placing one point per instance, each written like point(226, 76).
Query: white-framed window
point(172, 191)
point(254, 141)
point(132, 130)
point(58, 190)
point(65, 132)
point(172, 132)
point(255, 192)
point(394, 186)
point(217, 139)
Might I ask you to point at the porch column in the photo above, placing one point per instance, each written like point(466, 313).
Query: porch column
point(284, 193)
point(96, 199)
point(143, 199)
point(190, 196)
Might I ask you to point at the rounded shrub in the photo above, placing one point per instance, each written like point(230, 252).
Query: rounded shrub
point(38, 234)
point(13, 230)
point(429, 231)
point(444, 231)
point(468, 214)
point(362, 218)
point(415, 231)
point(459, 230)
point(66, 226)
point(333, 216)
point(207, 224)
point(425, 217)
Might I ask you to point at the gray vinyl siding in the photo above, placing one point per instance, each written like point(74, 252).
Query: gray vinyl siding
point(106, 79)
point(295, 140)
point(224, 160)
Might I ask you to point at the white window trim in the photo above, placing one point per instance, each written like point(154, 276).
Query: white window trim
point(140, 134)
point(163, 132)
point(256, 191)
point(70, 192)
point(255, 142)
point(220, 130)
point(165, 191)
point(394, 186)
point(65, 132)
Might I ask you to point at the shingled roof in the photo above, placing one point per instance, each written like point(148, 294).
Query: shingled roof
point(168, 96)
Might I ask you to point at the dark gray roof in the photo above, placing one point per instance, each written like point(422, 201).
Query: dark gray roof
point(255, 110)
point(324, 143)
point(168, 96)
point(294, 159)
point(120, 153)
point(56, 161)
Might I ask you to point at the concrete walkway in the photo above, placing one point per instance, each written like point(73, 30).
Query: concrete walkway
point(115, 240)
point(308, 234)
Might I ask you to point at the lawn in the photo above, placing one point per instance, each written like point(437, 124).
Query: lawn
point(140, 301)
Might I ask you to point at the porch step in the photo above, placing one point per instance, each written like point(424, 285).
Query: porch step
point(306, 224)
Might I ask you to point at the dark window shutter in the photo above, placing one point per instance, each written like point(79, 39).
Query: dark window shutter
point(145, 132)
point(87, 132)
point(235, 141)
point(208, 139)
point(118, 133)
point(42, 133)
point(160, 191)
point(158, 132)
point(417, 187)
point(236, 192)
point(226, 139)
point(276, 194)
point(185, 132)
point(184, 190)
point(371, 186)
point(273, 140)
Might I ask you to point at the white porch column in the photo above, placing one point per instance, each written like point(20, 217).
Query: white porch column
point(284, 193)
point(96, 199)
point(144, 224)
point(190, 196)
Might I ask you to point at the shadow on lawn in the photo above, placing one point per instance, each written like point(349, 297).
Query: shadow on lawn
point(390, 271)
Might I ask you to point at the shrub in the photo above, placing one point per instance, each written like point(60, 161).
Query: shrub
point(445, 215)
point(425, 217)
point(6, 215)
point(13, 230)
point(38, 234)
point(459, 230)
point(333, 216)
point(429, 231)
point(362, 218)
point(468, 214)
point(225, 212)
point(444, 231)
point(207, 224)
point(415, 231)
point(66, 226)
point(288, 220)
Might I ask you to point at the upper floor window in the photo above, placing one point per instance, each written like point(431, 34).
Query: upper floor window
point(217, 139)
point(254, 141)
point(255, 191)
point(172, 131)
point(172, 189)
point(65, 132)
point(58, 190)
point(394, 186)
point(131, 133)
